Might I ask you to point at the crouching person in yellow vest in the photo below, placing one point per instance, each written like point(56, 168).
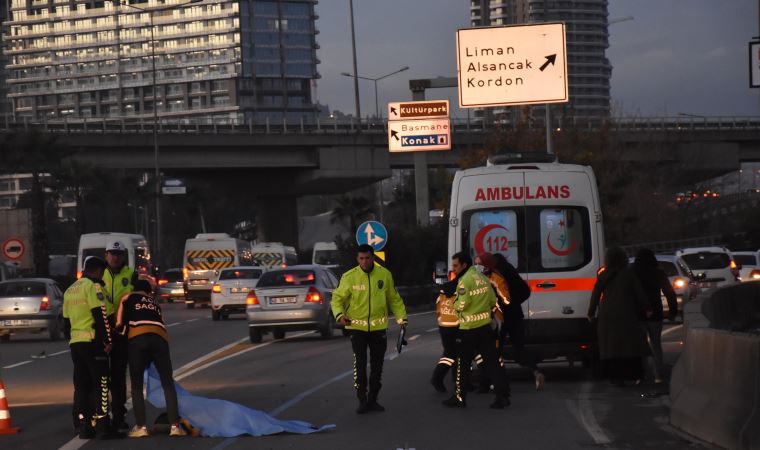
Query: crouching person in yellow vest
point(474, 304)
point(361, 304)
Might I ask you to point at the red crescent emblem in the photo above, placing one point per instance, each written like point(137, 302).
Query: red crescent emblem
point(569, 251)
point(479, 250)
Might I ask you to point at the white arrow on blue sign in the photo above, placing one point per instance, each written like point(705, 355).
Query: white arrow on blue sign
point(372, 233)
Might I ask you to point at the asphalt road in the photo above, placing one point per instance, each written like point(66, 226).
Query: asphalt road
point(305, 378)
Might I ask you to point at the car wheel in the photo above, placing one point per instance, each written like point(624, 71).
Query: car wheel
point(216, 315)
point(190, 305)
point(169, 300)
point(254, 334)
point(225, 317)
point(278, 334)
point(55, 329)
point(326, 332)
point(5, 337)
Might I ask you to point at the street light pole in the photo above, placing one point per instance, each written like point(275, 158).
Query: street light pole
point(375, 80)
point(356, 76)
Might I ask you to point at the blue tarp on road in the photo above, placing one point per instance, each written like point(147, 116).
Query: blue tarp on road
point(220, 418)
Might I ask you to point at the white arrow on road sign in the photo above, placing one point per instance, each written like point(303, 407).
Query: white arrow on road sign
point(372, 238)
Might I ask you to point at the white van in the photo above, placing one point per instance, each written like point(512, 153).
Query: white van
point(325, 254)
point(545, 218)
point(274, 254)
point(94, 244)
point(207, 254)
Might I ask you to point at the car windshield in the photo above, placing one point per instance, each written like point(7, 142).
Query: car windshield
point(240, 274)
point(173, 275)
point(325, 257)
point(288, 278)
point(22, 289)
point(669, 268)
point(745, 260)
point(706, 260)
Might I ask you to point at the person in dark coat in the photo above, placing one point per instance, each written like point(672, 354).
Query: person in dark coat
point(617, 302)
point(654, 281)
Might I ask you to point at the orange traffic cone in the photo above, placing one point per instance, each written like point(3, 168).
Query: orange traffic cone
point(5, 414)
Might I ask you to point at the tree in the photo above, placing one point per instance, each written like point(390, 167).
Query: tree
point(353, 210)
point(40, 155)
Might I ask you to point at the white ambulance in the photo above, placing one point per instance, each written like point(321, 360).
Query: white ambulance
point(545, 218)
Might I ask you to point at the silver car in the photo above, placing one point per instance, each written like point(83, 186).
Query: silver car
point(31, 304)
point(291, 299)
point(229, 293)
point(171, 286)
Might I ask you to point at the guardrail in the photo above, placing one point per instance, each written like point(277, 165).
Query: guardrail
point(342, 126)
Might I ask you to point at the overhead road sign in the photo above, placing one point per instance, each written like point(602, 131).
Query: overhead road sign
point(174, 187)
point(512, 65)
point(754, 64)
point(373, 233)
point(419, 135)
point(434, 109)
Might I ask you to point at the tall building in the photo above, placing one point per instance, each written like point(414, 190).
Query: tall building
point(589, 70)
point(226, 60)
point(5, 104)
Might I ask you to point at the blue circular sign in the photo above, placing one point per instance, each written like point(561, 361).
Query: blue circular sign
point(372, 233)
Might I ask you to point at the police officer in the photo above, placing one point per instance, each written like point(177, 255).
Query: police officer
point(90, 339)
point(360, 303)
point(474, 304)
point(448, 327)
point(118, 281)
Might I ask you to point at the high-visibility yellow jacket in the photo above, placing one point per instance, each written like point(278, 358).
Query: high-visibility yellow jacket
point(445, 311)
point(475, 300)
point(366, 299)
point(117, 285)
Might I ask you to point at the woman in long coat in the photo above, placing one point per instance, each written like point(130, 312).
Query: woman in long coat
point(617, 303)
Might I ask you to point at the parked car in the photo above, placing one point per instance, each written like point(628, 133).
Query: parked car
point(31, 304)
point(171, 286)
point(712, 266)
point(230, 290)
point(750, 265)
point(291, 299)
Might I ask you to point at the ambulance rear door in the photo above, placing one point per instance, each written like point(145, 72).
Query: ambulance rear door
point(562, 258)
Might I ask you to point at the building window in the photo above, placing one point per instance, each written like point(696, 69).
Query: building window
point(174, 89)
point(197, 102)
point(220, 100)
point(176, 105)
point(219, 85)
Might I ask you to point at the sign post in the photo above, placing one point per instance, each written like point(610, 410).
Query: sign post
point(754, 64)
point(513, 65)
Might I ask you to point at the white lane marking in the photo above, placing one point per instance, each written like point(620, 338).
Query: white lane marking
point(191, 320)
point(414, 337)
point(670, 330)
point(173, 324)
point(60, 353)
point(587, 418)
point(431, 330)
point(421, 314)
point(17, 364)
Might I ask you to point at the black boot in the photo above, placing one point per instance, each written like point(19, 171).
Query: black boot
point(363, 408)
point(437, 380)
point(454, 402)
point(85, 430)
point(104, 430)
point(373, 405)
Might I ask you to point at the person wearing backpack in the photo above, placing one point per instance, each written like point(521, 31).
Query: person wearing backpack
point(513, 324)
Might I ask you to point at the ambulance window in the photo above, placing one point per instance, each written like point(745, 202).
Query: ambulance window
point(493, 231)
point(563, 240)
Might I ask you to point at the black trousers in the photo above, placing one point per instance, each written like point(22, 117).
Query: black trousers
point(448, 358)
point(514, 327)
point(481, 341)
point(376, 341)
point(90, 382)
point(143, 350)
point(119, 359)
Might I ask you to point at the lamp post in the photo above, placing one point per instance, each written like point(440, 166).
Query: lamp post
point(157, 174)
point(356, 80)
point(375, 80)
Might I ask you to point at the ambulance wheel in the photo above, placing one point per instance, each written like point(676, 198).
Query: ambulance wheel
point(278, 334)
point(216, 315)
point(254, 334)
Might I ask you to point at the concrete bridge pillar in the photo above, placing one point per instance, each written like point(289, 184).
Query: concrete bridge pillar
point(277, 219)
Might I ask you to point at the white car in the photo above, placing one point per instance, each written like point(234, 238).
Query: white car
point(231, 288)
point(749, 265)
point(712, 266)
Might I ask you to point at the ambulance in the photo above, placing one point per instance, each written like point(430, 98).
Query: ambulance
point(545, 218)
point(205, 256)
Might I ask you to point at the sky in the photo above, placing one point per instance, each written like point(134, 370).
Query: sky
point(675, 56)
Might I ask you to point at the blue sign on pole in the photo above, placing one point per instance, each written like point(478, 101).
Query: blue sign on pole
point(373, 233)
